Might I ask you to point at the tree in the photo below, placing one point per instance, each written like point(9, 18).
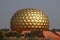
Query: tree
point(27, 34)
point(1, 35)
point(13, 34)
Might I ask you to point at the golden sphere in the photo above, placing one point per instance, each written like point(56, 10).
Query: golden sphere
point(29, 19)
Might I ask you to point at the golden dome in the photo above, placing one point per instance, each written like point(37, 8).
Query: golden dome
point(29, 19)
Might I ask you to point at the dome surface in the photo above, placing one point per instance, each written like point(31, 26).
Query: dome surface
point(29, 19)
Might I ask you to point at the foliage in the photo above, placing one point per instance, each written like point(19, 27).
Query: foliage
point(1, 35)
point(5, 29)
point(26, 38)
point(13, 34)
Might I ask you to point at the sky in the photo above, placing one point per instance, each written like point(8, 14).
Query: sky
point(9, 7)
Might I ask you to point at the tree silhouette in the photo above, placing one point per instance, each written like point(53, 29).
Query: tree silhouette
point(1, 35)
point(13, 34)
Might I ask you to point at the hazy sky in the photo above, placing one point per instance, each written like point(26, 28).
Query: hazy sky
point(9, 7)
